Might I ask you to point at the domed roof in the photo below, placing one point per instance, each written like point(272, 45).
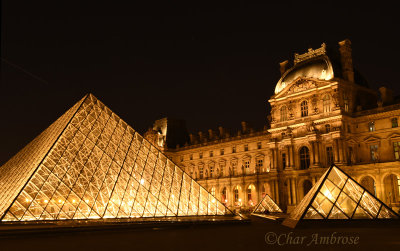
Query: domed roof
point(318, 68)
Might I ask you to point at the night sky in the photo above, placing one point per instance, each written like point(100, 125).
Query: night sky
point(211, 65)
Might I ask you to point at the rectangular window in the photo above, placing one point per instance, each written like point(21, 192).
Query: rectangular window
point(200, 155)
point(374, 152)
point(259, 145)
point(394, 123)
point(329, 155)
point(211, 153)
point(260, 164)
point(246, 147)
point(371, 126)
point(211, 170)
point(233, 149)
point(181, 158)
point(201, 172)
point(222, 151)
point(191, 156)
point(249, 195)
point(396, 149)
point(283, 161)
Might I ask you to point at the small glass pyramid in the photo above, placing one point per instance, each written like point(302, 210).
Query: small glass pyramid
point(90, 164)
point(337, 196)
point(267, 205)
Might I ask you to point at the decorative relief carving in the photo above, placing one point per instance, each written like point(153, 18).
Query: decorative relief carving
point(301, 85)
point(310, 54)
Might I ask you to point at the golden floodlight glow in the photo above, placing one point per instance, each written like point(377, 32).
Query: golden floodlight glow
point(97, 166)
point(337, 196)
point(267, 205)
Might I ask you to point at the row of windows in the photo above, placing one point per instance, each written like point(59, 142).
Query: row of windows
point(233, 169)
point(394, 122)
point(222, 151)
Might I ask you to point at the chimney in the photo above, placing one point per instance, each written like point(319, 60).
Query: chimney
point(221, 131)
point(201, 137)
point(346, 60)
point(283, 66)
point(191, 136)
point(386, 95)
point(210, 134)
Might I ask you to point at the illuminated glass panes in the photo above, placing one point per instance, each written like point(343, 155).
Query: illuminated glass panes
point(337, 196)
point(99, 167)
point(267, 205)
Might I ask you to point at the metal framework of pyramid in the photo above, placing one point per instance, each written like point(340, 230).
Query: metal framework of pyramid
point(336, 196)
point(90, 164)
point(267, 205)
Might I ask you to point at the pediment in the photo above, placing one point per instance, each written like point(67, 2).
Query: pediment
point(371, 139)
point(298, 85)
point(394, 135)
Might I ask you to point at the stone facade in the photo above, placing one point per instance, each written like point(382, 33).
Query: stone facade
point(322, 112)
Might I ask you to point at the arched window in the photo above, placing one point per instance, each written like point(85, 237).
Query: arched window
point(283, 113)
point(236, 193)
point(304, 108)
point(223, 196)
point(327, 103)
point(304, 158)
point(368, 183)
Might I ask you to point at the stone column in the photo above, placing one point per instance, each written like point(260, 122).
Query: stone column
point(288, 158)
point(336, 150)
point(316, 152)
point(344, 151)
point(294, 198)
point(289, 192)
point(292, 156)
point(276, 191)
point(276, 158)
point(340, 146)
point(272, 160)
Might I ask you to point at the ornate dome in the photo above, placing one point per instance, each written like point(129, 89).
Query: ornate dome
point(318, 68)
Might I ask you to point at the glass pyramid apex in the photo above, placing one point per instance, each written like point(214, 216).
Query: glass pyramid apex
point(337, 196)
point(267, 205)
point(90, 164)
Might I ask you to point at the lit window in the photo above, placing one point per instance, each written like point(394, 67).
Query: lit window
point(326, 103)
point(371, 126)
point(222, 151)
point(329, 155)
point(223, 197)
point(249, 194)
point(233, 149)
point(396, 149)
point(246, 147)
point(258, 145)
point(283, 113)
point(260, 164)
point(394, 123)
point(327, 128)
point(211, 153)
point(304, 158)
point(374, 153)
point(213, 191)
point(304, 108)
point(346, 104)
point(236, 191)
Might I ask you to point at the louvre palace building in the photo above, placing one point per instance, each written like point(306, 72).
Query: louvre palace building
point(322, 112)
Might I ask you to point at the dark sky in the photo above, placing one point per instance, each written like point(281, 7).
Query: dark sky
point(208, 64)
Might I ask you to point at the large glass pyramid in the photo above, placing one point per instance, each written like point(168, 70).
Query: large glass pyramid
point(90, 164)
point(267, 205)
point(337, 196)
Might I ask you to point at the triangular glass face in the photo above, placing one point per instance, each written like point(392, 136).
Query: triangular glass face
point(96, 166)
point(267, 205)
point(337, 196)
